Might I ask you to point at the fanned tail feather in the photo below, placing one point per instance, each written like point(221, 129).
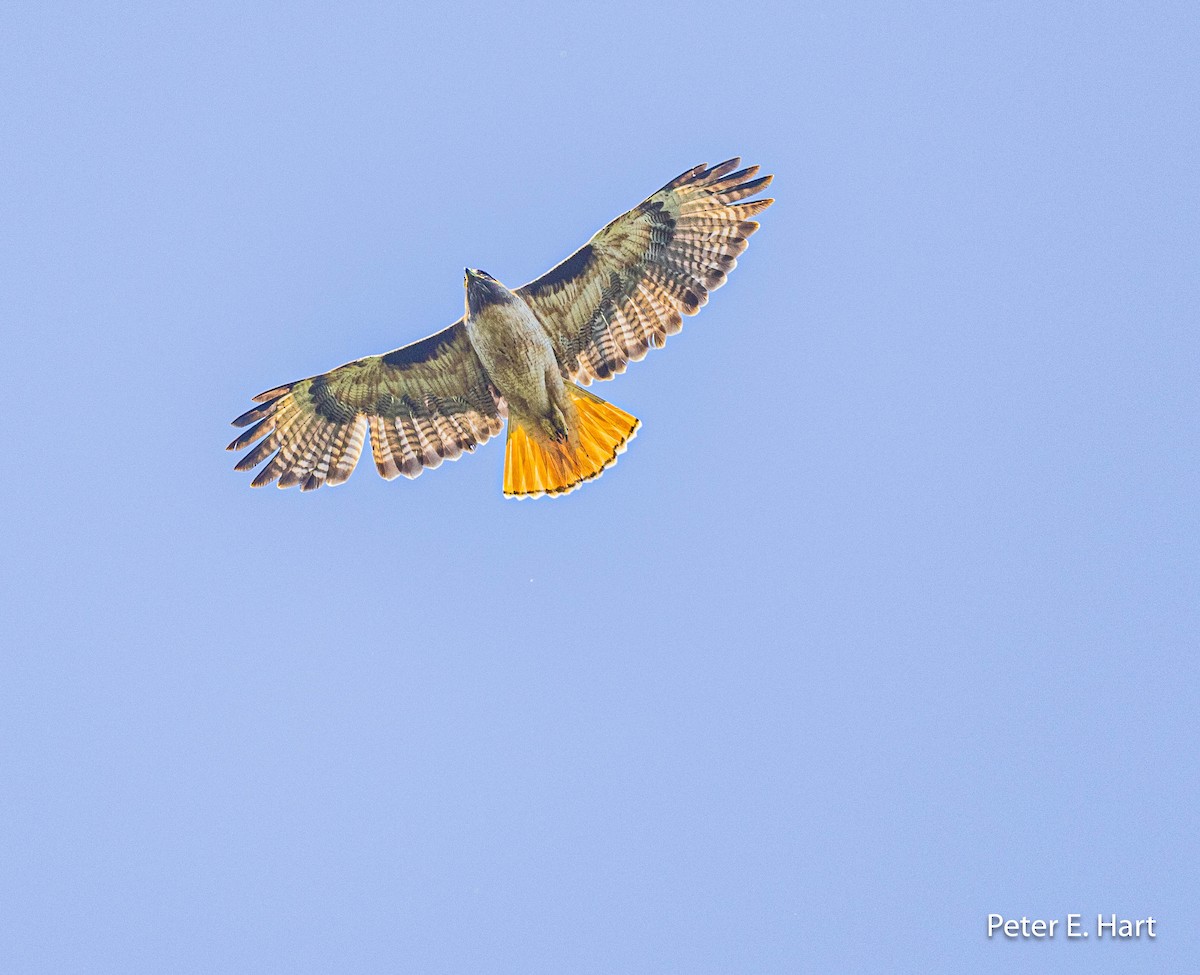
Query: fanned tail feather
point(533, 468)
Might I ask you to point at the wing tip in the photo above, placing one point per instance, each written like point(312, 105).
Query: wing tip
point(754, 185)
point(273, 393)
point(723, 168)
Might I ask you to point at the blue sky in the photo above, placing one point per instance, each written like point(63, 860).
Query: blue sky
point(887, 620)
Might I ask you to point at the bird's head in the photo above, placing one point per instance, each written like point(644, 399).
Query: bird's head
point(482, 289)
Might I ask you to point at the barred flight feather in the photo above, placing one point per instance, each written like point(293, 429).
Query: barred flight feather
point(625, 290)
point(422, 404)
point(621, 294)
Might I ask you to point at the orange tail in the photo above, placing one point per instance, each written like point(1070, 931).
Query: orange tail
point(602, 431)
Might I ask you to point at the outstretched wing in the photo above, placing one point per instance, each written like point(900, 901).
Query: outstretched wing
point(423, 404)
point(623, 292)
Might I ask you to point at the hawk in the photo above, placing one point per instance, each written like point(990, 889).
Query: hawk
point(523, 356)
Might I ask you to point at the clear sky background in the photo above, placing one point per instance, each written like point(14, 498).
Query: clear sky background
point(886, 621)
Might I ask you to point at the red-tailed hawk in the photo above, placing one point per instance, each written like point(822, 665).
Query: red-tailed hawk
point(519, 355)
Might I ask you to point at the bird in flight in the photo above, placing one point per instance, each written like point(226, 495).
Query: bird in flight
point(522, 355)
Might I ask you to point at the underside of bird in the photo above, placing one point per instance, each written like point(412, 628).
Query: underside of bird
point(623, 293)
point(535, 465)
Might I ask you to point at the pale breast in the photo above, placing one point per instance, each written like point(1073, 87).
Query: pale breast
point(515, 351)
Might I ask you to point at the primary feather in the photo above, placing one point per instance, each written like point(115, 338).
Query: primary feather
point(606, 305)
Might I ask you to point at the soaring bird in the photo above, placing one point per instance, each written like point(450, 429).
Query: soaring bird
point(522, 355)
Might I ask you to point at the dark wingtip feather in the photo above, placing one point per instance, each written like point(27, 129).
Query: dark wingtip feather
point(255, 413)
point(272, 393)
point(250, 435)
point(757, 184)
point(720, 169)
point(266, 475)
point(753, 207)
point(686, 176)
point(740, 176)
point(256, 456)
point(694, 299)
point(743, 190)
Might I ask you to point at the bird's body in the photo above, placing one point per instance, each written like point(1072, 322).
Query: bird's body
point(559, 435)
point(518, 355)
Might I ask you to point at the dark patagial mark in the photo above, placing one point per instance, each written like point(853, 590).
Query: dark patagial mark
point(560, 274)
point(422, 351)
